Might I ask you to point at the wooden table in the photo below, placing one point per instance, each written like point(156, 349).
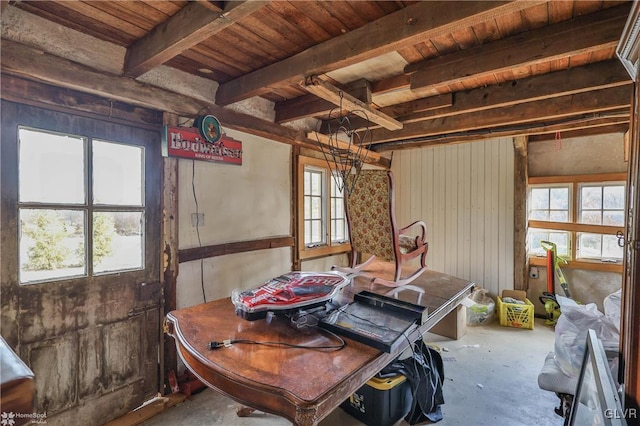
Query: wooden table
point(301, 385)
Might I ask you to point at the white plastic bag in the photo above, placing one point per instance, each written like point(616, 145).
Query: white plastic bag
point(612, 308)
point(482, 310)
point(571, 333)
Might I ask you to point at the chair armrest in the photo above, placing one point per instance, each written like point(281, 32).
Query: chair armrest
point(419, 223)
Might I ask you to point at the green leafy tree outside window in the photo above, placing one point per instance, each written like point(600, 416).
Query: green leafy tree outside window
point(48, 233)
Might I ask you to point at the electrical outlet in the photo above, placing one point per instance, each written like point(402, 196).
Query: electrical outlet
point(533, 272)
point(197, 219)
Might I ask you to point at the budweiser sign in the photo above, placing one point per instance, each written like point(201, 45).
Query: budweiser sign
point(186, 142)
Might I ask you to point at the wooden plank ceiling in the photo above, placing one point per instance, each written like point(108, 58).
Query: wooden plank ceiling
point(427, 72)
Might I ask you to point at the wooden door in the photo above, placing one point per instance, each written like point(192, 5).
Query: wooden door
point(629, 53)
point(89, 330)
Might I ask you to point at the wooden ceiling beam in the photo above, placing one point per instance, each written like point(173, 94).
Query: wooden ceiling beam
point(595, 76)
point(344, 100)
point(411, 25)
point(546, 109)
point(365, 153)
point(599, 75)
point(596, 30)
point(192, 24)
point(312, 106)
point(582, 126)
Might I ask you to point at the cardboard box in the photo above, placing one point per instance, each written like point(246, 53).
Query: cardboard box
point(453, 325)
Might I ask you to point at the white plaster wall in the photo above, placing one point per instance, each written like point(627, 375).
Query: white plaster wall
point(584, 286)
point(223, 274)
point(324, 263)
point(239, 203)
point(576, 156)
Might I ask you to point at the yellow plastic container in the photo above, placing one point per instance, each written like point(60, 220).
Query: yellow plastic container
point(381, 401)
point(386, 383)
point(515, 314)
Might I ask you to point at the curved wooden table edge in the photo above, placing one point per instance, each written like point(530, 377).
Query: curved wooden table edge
point(281, 402)
point(269, 399)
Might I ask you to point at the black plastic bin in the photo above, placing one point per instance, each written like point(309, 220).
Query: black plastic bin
point(381, 401)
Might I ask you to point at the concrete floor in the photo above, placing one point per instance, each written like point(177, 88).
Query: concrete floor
point(490, 379)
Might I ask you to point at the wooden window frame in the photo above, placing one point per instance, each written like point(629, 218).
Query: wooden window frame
point(329, 248)
point(573, 227)
point(89, 208)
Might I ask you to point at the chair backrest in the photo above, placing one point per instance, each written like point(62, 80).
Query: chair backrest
point(370, 214)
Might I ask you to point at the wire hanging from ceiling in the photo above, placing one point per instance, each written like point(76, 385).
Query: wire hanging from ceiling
point(344, 147)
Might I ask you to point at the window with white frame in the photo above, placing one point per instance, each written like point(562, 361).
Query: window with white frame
point(600, 204)
point(323, 219)
point(549, 203)
point(580, 214)
point(80, 205)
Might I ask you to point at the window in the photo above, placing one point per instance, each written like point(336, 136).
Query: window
point(580, 214)
point(323, 219)
point(80, 206)
point(601, 204)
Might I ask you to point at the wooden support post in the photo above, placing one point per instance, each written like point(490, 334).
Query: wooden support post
point(169, 252)
point(521, 263)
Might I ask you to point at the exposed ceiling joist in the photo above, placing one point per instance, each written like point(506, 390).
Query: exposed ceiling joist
point(490, 66)
point(600, 75)
point(344, 100)
point(534, 47)
point(193, 24)
point(542, 110)
point(539, 45)
point(364, 153)
point(573, 127)
point(410, 25)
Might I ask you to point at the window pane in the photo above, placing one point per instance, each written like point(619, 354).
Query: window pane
point(610, 248)
point(591, 217)
point(539, 198)
point(591, 197)
point(307, 232)
point(316, 208)
point(597, 246)
point(539, 215)
point(561, 240)
point(117, 241)
point(613, 218)
point(316, 232)
point(535, 236)
point(117, 174)
point(51, 244)
point(316, 184)
point(614, 197)
point(559, 199)
point(338, 221)
point(589, 246)
point(559, 216)
point(307, 207)
point(51, 168)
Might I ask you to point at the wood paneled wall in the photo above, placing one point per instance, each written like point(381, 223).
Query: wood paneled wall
point(464, 193)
